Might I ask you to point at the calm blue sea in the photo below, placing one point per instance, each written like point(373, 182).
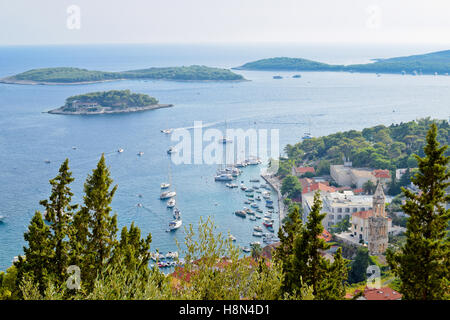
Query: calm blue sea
point(320, 102)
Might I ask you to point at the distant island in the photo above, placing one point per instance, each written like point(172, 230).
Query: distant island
point(108, 102)
point(66, 75)
point(430, 63)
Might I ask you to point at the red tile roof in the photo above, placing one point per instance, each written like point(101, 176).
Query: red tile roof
point(356, 191)
point(318, 186)
point(325, 235)
point(385, 293)
point(363, 214)
point(302, 170)
point(380, 173)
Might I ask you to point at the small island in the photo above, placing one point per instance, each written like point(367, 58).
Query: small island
point(108, 102)
point(435, 63)
point(71, 76)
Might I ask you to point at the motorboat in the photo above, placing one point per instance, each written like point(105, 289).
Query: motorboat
point(257, 216)
point(258, 198)
point(257, 234)
point(140, 153)
point(225, 140)
point(246, 249)
point(231, 237)
point(171, 150)
point(259, 210)
point(165, 185)
point(252, 218)
point(267, 222)
point(243, 187)
point(167, 195)
point(167, 131)
point(2, 218)
point(254, 180)
point(223, 177)
point(255, 243)
point(249, 190)
point(241, 213)
point(171, 203)
point(254, 205)
point(307, 135)
point(268, 201)
point(120, 150)
point(277, 77)
point(47, 161)
point(257, 229)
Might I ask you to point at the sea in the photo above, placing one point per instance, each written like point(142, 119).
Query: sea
point(33, 143)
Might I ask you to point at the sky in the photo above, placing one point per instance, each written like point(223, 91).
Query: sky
point(25, 22)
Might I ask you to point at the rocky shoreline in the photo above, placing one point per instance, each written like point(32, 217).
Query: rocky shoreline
point(107, 110)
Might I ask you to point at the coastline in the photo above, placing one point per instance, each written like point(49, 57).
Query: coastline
point(274, 183)
point(9, 80)
point(109, 111)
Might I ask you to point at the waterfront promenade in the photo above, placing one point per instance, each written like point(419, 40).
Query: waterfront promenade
point(275, 183)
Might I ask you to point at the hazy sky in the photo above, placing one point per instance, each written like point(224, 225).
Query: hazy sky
point(156, 21)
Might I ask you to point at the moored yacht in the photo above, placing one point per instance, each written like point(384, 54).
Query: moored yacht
point(165, 185)
point(171, 203)
point(223, 177)
point(167, 195)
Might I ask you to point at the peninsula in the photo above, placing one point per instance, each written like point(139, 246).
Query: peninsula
point(66, 75)
point(108, 102)
point(430, 63)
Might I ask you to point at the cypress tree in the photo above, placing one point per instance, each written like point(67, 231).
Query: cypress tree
point(332, 287)
point(37, 258)
point(284, 252)
point(101, 229)
point(359, 266)
point(59, 212)
point(422, 264)
point(309, 265)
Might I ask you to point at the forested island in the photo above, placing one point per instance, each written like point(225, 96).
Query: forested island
point(66, 75)
point(114, 101)
point(430, 63)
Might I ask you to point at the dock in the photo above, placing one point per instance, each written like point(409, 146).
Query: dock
point(274, 183)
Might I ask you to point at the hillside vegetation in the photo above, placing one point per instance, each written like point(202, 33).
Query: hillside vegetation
point(76, 75)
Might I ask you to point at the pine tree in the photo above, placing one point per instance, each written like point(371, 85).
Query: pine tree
point(332, 287)
point(59, 212)
point(284, 252)
point(359, 266)
point(422, 264)
point(36, 261)
point(310, 267)
point(133, 251)
point(101, 229)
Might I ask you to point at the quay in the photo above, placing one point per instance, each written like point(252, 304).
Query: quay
point(276, 185)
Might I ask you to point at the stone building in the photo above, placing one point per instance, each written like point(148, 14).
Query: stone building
point(378, 224)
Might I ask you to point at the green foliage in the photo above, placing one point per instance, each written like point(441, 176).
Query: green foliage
point(291, 187)
point(8, 281)
point(359, 266)
point(113, 99)
point(378, 147)
point(422, 263)
point(102, 228)
point(425, 63)
point(71, 75)
point(341, 226)
point(369, 187)
point(300, 254)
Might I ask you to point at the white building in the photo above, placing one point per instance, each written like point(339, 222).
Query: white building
point(336, 205)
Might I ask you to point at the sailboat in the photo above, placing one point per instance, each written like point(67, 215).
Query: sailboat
point(177, 222)
point(167, 194)
point(224, 139)
point(308, 135)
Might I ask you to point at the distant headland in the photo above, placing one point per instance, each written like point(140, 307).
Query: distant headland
point(108, 102)
point(430, 63)
point(70, 76)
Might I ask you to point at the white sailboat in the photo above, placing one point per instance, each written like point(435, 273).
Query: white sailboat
point(171, 203)
point(177, 222)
